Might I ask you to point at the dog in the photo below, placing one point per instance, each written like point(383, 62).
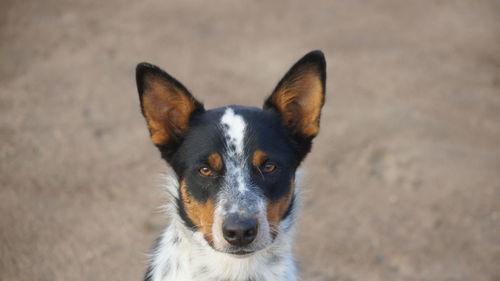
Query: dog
point(233, 188)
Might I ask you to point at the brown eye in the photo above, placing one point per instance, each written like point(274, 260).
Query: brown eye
point(268, 167)
point(205, 171)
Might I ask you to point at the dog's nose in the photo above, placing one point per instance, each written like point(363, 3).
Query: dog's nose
point(239, 231)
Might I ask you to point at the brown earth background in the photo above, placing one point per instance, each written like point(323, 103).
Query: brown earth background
point(403, 182)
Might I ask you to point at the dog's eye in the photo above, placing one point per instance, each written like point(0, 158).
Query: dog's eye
point(268, 167)
point(205, 171)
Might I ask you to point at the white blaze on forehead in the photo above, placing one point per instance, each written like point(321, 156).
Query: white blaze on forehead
point(234, 130)
point(234, 127)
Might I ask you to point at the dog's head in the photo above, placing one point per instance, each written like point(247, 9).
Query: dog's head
point(235, 165)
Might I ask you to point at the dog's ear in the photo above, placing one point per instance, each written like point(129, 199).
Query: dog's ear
point(300, 95)
point(166, 104)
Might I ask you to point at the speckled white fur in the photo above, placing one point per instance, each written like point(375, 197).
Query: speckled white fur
point(235, 132)
point(234, 126)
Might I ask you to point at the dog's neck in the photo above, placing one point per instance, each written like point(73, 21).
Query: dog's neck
point(184, 255)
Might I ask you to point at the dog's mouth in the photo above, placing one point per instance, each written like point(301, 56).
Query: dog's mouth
point(237, 251)
point(241, 252)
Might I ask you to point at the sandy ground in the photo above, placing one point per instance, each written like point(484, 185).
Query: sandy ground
point(404, 179)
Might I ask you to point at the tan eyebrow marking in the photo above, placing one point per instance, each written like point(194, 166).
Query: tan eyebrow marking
point(215, 161)
point(258, 158)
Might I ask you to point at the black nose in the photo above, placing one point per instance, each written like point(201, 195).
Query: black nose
point(239, 231)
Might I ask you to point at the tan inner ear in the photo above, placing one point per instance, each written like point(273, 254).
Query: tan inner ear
point(276, 210)
point(167, 111)
point(201, 214)
point(300, 101)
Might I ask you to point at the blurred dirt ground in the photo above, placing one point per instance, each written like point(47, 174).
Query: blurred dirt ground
point(404, 179)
